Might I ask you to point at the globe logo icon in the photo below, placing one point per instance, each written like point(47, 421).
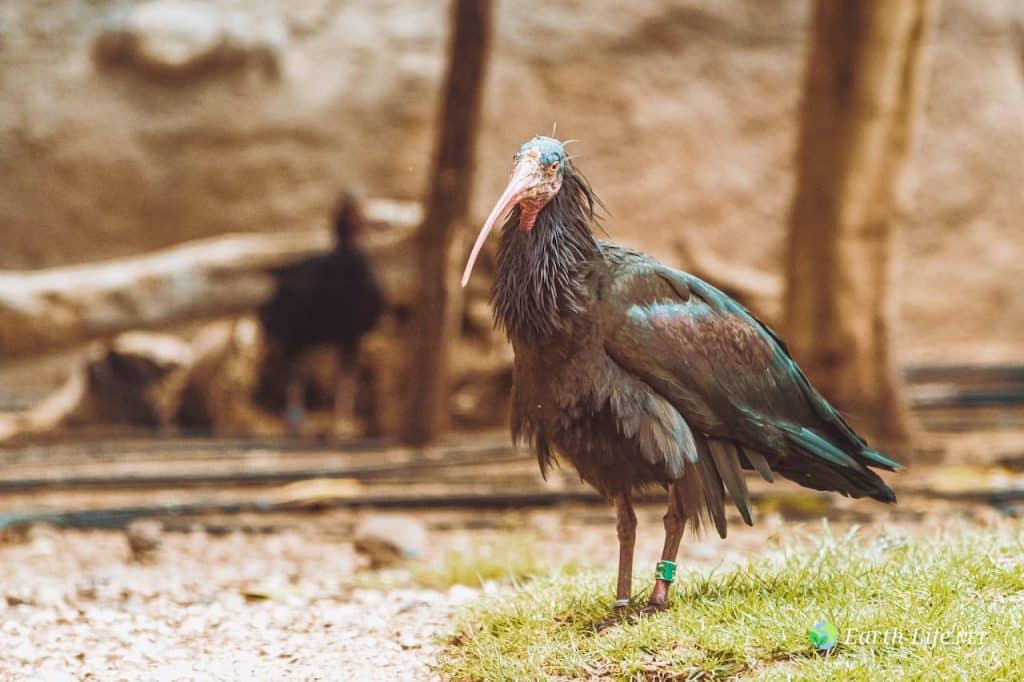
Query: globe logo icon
point(823, 635)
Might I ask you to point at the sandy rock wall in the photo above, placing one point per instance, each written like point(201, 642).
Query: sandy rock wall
point(130, 126)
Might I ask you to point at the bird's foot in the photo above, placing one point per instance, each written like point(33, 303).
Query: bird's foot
point(295, 417)
point(658, 601)
point(653, 607)
point(626, 614)
point(621, 613)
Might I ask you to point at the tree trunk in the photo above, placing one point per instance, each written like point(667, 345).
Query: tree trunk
point(439, 296)
point(861, 89)
point(49, 309)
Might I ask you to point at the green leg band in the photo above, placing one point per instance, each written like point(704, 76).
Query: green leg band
point(666, 571)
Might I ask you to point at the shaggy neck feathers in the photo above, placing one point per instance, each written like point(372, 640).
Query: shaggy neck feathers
point(536, 290)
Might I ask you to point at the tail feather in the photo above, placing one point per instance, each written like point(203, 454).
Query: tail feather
point(798, 453)
point(809, 441)
point(876, 458)
point(727, 462)
point(701, 495)
point(714, 491)
point(690, 499)
point(815, 462)
point(759, 462)
point(820, 475)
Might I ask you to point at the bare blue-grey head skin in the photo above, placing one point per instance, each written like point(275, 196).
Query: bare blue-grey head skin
point(546, 212)
point(638, 374)
point(538, 171)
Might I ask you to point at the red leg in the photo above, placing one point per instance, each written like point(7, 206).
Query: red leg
point(295, 407)
point(626, 529)
point(345, 396)
point(673, 535)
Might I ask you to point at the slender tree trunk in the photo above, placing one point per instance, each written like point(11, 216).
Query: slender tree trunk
point(861, 88)
point(439, 296)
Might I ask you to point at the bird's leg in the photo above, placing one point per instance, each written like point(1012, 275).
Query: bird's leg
point(625, 527)
point(673, 535)
point(345, 394)
point(295, 409)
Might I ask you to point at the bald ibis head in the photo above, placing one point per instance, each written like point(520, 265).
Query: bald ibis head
point(538, 170)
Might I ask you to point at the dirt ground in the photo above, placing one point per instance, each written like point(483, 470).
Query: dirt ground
point(301, 604)
point(78, 607)
point(285, 595)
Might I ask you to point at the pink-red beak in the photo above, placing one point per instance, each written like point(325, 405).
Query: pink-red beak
point(524, 177)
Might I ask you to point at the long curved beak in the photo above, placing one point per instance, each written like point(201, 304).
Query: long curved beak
point(523, 177)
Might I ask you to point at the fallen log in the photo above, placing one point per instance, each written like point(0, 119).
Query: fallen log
point(135, 379)
point(46, 310)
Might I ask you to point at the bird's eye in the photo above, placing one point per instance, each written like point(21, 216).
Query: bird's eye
point(555, 166)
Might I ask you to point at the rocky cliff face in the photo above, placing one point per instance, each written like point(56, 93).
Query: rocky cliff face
point(131, 126)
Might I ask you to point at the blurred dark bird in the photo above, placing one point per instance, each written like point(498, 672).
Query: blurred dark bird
point(639, 374)
point(330, 299)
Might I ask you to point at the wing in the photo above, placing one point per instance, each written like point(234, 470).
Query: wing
point(732, 380)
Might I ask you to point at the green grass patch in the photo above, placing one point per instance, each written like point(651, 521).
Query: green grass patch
point(945, 608)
